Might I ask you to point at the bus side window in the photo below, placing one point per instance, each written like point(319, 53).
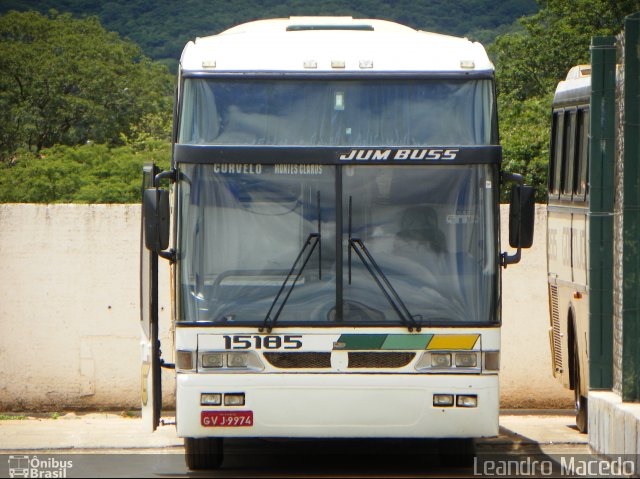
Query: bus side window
point(552, 155)
point(555, 169)
point(569, 150)
point(583, 155)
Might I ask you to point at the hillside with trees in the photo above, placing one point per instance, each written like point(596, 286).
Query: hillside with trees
point(162, 27)
point(67, 84)
point(68, 81)
point(82, 107)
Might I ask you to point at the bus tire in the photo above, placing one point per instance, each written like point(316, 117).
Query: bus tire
point(582, 409)
point(203, 453)
point(457, 452)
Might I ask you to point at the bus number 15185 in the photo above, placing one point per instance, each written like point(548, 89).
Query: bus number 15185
point(247, 341)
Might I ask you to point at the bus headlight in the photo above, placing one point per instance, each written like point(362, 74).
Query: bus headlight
point(212, 360)
point(450, 361)
point(466, 360)
point(440, 360)
point(434, 361)
point(237, 360)
point(244, 361)
point(226, 362)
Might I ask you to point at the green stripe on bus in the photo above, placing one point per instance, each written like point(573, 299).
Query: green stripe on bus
point(407, 341)
point(362, 341)
point(414, 342)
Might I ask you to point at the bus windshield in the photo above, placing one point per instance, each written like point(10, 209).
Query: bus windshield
point(414, 112)
point(425, 230)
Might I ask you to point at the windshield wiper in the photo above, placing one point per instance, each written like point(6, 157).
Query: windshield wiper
point(379, 277)
point(314, 238)
point(269, 323)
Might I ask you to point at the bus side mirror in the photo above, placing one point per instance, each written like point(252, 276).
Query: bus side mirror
point(155, 206)
point(522, 215)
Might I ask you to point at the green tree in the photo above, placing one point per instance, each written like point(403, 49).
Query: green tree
point(524, 131)
point(529, 65)
point(69, 81)
point(80, 174)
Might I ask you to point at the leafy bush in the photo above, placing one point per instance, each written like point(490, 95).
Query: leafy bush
point(80, 174)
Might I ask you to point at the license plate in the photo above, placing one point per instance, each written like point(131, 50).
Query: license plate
point(226, 418)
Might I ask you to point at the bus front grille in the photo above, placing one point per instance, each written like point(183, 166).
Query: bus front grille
point(357, 360)
point(555, 323)
point(299, 360)
point(380, 360)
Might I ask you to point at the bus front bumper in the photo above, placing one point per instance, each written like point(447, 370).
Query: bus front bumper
point(338, 405)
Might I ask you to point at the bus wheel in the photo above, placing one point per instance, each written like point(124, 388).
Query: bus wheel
point(203, 453)
point(457, 452)
point(582, 418)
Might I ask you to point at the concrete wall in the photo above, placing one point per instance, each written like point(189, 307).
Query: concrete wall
point(614, 426)
point(69, 319)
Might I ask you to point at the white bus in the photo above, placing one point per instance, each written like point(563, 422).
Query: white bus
point(335, 250)
point(567, 236)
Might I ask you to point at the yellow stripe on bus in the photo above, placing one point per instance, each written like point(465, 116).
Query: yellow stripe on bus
point(453, 341)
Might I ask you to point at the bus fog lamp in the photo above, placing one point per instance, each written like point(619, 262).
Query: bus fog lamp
point(235, 399)
point(441, 360)
point(467, 401)
point(212, 360)
point(466, 360)
point(211, 399)
point(443, 400)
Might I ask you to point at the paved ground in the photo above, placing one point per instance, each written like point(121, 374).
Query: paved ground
point(115, 431)
point(113, 445)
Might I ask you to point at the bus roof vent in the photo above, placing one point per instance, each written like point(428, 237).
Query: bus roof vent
point(302, 28)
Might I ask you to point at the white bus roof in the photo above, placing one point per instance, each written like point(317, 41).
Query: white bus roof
point(575, 88)
point(332, 44)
